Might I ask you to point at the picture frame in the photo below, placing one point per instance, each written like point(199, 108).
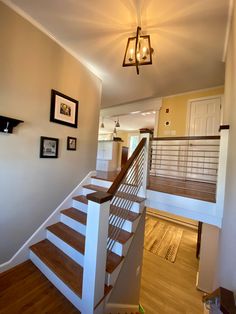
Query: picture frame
point(71, 143)
point(64, 109)
point(48, 147)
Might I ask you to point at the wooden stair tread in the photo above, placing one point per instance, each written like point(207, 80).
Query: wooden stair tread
point(75, 214)
point(68, 235)
point(81, 198)
point(123, 236)
point(113, 260)
point(128, 196)
point(128, 215)
point(95, 187)
point(64, 267)
point(131, 197)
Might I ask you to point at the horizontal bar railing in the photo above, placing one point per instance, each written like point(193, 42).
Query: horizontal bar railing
point(124, 189)
point(190, 158)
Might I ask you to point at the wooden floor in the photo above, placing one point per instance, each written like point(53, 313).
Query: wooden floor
point(198, 190)
point(169, 288)
point(24, 289)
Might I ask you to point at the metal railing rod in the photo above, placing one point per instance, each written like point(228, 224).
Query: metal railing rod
point(119, 222)
point(181, 166)
point(118, 228)
point(130, 204)
point(195, 161)
point(168, 155)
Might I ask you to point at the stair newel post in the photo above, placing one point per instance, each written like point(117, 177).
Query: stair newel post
point(222, 167)
point(146, 165)
point(95, 250)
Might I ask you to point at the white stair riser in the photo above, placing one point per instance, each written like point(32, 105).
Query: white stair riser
point(103, 183)
point(73, 224)
point(121, 249)
point(127, 226)
point(111, 278)
point(87, 191)
point(57, 282)
point(138, 207)
point(79, 205)
point(66, 248)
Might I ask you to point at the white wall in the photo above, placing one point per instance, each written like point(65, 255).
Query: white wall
point(227, 258)
point(31, 64)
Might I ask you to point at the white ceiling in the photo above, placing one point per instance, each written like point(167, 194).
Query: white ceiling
point(130, 122)
point(187, 36)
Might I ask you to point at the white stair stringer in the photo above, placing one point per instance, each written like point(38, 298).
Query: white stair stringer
point(23, 253)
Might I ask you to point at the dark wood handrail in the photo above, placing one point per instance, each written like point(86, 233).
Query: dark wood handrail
point(115, 185)
point(188, 138)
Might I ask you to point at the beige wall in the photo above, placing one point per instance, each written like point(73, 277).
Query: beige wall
point(227, 258)
point(31, 188)
point(177, 115)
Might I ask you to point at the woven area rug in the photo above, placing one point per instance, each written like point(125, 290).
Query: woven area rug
point(162, 239)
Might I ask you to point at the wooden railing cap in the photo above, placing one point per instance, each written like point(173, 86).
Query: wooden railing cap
point(99, 197)
point(192, 138)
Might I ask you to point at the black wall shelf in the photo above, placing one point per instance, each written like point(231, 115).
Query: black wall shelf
point(7, 124)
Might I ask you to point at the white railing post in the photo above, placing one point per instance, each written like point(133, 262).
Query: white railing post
point(146, 165)
point(222, 167)
point(95, 250)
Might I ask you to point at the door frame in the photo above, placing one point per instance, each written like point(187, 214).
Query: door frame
point(221, 96)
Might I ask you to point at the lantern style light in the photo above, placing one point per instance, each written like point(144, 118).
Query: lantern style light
point(138, 51)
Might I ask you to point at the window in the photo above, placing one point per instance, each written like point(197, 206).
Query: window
point(133, 143)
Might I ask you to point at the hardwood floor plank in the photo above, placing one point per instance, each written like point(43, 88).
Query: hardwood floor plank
point(24, 289)
point(168, 288)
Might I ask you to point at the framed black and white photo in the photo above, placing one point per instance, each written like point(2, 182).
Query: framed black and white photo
point(71, 143)
point(48, 147)
point(64, 109)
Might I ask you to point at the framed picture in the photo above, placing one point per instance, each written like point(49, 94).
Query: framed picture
point(64, 109)
point(71, 143)
point(48, 147)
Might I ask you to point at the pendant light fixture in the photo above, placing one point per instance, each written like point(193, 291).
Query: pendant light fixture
point(117, 123)
point(138, 51)
point(102, 126)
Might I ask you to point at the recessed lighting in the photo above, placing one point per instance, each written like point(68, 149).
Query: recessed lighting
point(154, 112)
point(135, 112)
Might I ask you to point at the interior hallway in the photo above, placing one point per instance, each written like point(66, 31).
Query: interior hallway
point(167, 287)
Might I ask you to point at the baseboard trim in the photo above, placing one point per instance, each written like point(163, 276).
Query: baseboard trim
point(23, 253)
point(114, 308)
point(175, 220)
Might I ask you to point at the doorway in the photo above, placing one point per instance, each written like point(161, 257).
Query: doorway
point(204, 116)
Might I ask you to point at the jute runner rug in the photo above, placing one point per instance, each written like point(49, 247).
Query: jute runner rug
point(162, 239)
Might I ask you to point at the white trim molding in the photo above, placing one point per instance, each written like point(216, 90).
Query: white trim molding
point(228, 27)
point(23, 253)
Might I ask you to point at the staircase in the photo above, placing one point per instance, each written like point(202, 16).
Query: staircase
point(83, 250)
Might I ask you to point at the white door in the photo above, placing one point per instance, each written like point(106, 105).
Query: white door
point(205, 116)
point(202, 155)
